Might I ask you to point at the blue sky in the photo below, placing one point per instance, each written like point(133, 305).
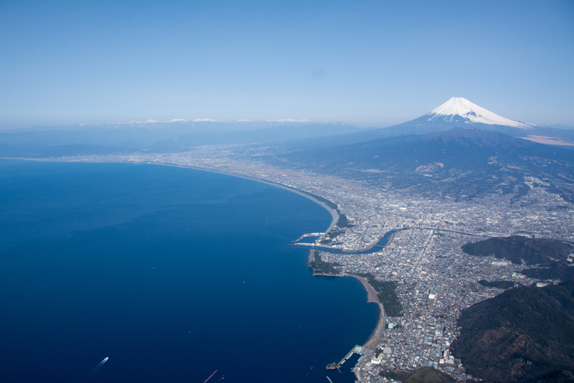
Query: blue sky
point(376, 63)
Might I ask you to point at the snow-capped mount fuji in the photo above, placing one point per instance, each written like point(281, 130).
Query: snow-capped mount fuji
point(457, 112)
point(459, 109)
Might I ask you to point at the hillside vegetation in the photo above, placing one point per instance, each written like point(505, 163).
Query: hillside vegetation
point(545, 252)
point(525, 334)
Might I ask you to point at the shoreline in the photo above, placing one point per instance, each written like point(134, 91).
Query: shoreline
point(372, 297)
point(334, 214)
point(371, 294)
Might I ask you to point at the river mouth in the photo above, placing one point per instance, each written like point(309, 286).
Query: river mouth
point(378, 246)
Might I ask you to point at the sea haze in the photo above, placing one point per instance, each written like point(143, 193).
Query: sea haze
point(171, 273)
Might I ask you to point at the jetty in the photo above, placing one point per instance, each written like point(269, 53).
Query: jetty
point(360, 350)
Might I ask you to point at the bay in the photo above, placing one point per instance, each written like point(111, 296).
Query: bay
point(171, 273)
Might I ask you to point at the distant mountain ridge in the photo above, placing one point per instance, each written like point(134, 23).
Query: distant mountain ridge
point(281, 135)
point(197, 125)
point(155, 136)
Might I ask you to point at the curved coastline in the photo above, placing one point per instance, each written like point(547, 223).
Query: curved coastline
point(333, 212)
point(371, 293)
point(372, 296)
point(334, 302)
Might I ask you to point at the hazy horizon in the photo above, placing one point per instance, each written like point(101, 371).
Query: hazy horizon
point(369, 64)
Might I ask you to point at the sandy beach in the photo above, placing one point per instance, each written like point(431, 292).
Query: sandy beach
point(373, 298)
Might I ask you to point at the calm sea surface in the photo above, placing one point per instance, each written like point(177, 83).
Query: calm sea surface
point(171, 273)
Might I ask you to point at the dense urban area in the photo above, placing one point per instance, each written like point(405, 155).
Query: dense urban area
point(431, 279)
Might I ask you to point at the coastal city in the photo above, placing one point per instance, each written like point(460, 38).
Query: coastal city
point(433, 279)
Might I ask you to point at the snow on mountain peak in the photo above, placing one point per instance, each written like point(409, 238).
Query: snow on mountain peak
point(462, 107)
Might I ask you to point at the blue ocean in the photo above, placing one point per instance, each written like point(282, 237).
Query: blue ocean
point(175, 275)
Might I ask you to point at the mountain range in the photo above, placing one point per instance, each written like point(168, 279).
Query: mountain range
point(181, 135)
point(155, 136)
